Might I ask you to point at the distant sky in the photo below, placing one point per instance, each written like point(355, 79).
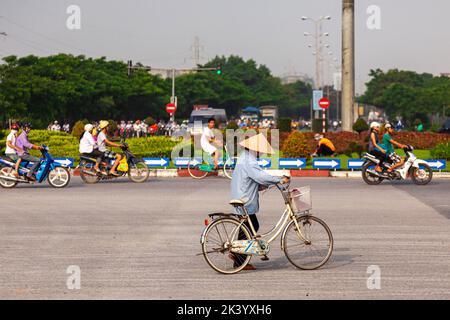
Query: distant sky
point(414, 35)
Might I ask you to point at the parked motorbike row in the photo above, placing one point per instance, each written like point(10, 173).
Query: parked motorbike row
point(58, 176)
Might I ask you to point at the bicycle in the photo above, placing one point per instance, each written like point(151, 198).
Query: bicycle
point(230, 240)
point(200, 168)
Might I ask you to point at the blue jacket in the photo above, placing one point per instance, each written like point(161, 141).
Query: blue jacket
point(247, 177)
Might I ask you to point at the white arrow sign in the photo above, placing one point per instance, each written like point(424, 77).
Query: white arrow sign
point(354, 163)
point(297, 163)
point(64, 162)
point(436, 164)
point(155, 162)
point(331, 163)
point(263, 163)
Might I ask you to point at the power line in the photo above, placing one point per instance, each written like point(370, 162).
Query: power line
point(42, 35)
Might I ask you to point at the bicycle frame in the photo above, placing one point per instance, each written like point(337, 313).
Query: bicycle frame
point(280, 226)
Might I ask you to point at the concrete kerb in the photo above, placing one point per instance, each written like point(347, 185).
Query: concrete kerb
point(173, 173)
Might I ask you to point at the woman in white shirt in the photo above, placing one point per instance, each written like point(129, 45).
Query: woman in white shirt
point(88, 146)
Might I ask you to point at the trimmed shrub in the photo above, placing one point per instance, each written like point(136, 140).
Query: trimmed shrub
point(78, 128)
point(360, 125)
point(441, 151)
point(296, 146)
point(284, 124)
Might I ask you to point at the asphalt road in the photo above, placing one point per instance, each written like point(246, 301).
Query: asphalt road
point(142, 240)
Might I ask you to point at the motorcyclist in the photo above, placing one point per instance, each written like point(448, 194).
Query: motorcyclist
point(374, 148)
point(24, 145)
point(88, 146)
point(388, 143)
point(102, 142)
point(12, 150)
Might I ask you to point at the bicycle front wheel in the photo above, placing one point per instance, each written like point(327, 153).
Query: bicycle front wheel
point(311, 246)
point(194, 170)
point(216, 245)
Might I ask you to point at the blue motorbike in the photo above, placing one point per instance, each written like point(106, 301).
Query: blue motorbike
point(56, 175)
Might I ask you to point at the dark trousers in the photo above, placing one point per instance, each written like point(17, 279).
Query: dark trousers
point(324, 151)
point(34, 160)
point(95, 154)
point(379, 155)
point(240, 258)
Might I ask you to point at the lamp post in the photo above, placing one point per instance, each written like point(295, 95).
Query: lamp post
point(348, 64)
point(318, 44)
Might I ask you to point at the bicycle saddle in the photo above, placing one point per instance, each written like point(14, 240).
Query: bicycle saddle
point(239, 202)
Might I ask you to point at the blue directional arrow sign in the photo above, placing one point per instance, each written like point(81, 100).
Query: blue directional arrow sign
point(264, 162)
point(327, 163)
point(292, 163)
point(355, 163)
point(437, 164)
point(181, 162)
point(65, 162)
point(157, 162)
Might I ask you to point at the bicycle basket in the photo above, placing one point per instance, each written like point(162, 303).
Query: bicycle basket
point(301, 199)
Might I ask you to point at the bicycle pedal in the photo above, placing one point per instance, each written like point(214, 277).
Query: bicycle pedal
point(265, 258)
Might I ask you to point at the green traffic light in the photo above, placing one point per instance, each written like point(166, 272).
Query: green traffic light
point(219, 72)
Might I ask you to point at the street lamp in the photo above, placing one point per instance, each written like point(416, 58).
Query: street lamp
point(318, 42)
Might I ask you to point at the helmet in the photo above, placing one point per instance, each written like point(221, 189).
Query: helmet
point(27, 125)
point(318, 136)
point(88, 127)
point(103, 124)
point(374, 125)
point(15, 126)
point(387, 125)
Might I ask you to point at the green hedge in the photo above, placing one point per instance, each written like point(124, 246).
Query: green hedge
point(66, 145)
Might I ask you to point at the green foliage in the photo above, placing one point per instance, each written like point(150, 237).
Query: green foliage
point(360, 125)
point(150, 121)
point(232, 125)
point(112, 126)
point(441, 151)
point(284, 124)
point(296, 146)
point(78, 128)
point(407, 94)
point(66, 145)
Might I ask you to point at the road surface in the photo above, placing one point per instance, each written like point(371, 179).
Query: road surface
point(140, 241)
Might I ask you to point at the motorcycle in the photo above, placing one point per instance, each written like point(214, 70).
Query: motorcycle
point(419, 171)
point(135, 168)
point(57, 175)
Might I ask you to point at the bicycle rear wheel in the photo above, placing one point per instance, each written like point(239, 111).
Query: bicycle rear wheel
point(216, 245)
point(310, 248)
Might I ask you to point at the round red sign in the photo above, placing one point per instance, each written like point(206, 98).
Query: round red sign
point(171, 107)
point(324, 103)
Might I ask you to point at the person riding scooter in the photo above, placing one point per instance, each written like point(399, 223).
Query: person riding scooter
point(12, 150)
point(88, 146)
point(388, 143)
point(374, 148)
point(102, 142)
point(24, 145)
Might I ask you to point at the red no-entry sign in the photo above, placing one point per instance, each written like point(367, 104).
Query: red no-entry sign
point(324, 103)
point(171, 107)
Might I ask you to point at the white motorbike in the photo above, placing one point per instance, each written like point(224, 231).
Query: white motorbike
point(419, 170)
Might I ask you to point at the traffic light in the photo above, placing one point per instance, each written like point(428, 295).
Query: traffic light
point(219, 70)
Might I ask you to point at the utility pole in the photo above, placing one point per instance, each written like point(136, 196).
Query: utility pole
point(348, 64)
